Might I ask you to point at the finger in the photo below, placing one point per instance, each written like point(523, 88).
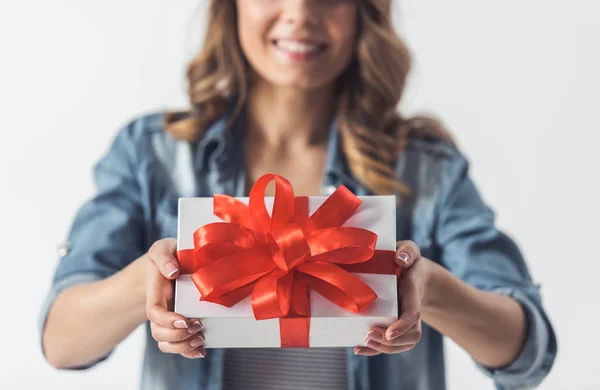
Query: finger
point(365, 351)
point(411, 308)
point(376, 333)
point(161, 316)
point(160, 333)
point(162, 253)
point(197, 353)
point(388, 349)
point(181, 347)
point(159, 291)
point(411, 336)
point(407, 252)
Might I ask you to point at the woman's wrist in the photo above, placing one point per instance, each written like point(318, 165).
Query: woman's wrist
point(433, 273)
point(141, 278)
point(133, 278)
point(140, 281)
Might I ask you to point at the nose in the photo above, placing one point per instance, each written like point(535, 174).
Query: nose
point(300, 12)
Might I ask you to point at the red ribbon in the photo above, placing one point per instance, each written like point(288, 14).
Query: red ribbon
point(277, 259)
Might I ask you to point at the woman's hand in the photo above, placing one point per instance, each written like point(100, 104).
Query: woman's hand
point(405, 333)
point(173, 332)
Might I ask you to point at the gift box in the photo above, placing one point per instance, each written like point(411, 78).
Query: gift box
point(287, 271)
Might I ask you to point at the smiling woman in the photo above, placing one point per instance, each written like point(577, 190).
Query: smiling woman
point(306, 89)
point(360, 76)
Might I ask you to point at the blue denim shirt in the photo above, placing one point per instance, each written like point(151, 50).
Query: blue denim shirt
point(145, 171)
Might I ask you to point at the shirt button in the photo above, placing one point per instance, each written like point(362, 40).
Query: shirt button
point(63, 249)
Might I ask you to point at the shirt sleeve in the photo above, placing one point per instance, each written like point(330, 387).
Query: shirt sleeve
point(473, 249)
point(108, 231)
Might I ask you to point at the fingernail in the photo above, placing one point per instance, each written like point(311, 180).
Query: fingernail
point(195, 327)
point(405, 257)
point(357, 351)
point(196, 342)
point(170, 269)
point(181, 324)
point(373, 335)
point(393, 335)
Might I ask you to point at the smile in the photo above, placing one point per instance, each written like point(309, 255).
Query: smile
point(299, 50)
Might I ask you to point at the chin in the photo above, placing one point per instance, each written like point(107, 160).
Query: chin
point(304, 83)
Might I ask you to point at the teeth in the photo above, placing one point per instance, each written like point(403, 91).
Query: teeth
point(297, 47)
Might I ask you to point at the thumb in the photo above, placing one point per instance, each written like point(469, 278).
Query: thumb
point(407, 253)
point(162, 254)
point(159, 301)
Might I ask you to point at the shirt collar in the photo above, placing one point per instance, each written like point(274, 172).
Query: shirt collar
point(217, 143)
point(337, 171)
point(222, 144)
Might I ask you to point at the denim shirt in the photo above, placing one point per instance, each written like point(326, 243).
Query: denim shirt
point(145, 171)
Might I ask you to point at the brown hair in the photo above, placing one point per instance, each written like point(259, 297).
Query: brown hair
point(373, 132)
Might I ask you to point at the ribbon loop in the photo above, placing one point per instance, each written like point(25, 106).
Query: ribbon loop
point(272, 295)
point(335, 211)
point(283, 204)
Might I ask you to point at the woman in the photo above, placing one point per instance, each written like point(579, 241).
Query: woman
point(306, 89)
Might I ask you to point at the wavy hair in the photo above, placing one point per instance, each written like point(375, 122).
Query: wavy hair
point(373, 133)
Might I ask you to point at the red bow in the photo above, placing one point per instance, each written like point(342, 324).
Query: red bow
point(277, 258)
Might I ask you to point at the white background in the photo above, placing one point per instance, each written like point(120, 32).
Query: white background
point(516, 81)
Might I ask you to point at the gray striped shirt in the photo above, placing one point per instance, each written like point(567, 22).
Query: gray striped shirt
point(285, 369)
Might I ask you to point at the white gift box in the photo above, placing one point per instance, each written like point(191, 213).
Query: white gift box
point(330, 325)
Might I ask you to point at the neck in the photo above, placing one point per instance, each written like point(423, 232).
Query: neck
point(282, 116)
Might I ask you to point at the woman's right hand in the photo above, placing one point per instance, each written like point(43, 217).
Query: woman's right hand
point(173, 332)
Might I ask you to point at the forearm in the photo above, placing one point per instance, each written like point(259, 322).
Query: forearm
point(490, 327)
point(87, 321)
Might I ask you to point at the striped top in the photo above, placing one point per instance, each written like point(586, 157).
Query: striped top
point(285, 369)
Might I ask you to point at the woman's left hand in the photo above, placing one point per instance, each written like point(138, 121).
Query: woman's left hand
point(405, 333)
